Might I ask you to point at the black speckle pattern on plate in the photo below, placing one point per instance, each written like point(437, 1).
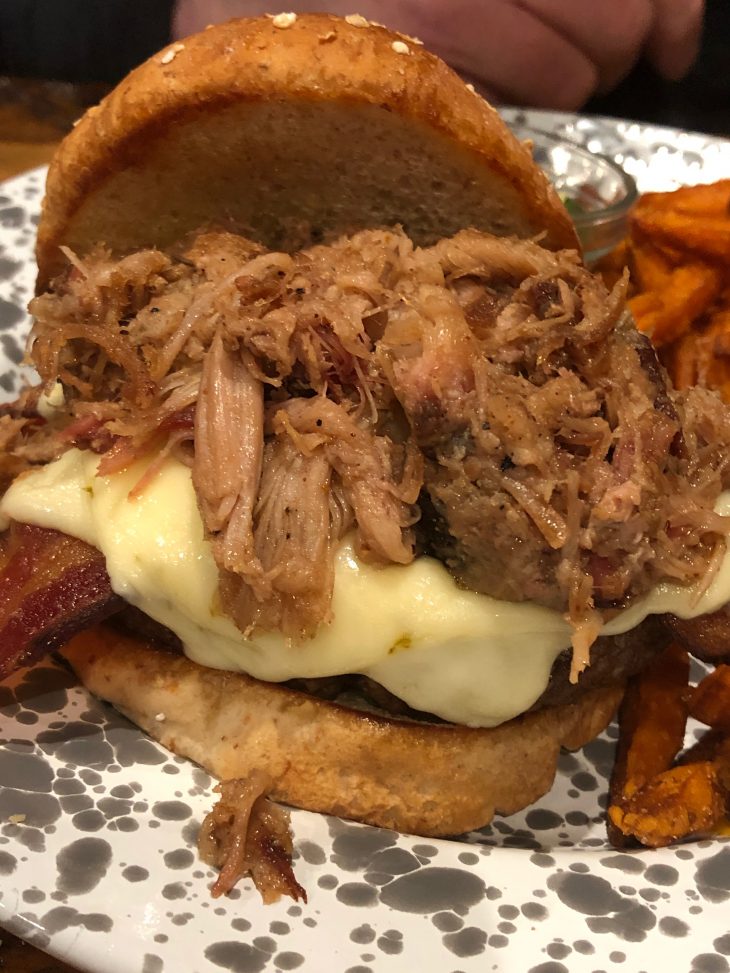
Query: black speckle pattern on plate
point(98, 824)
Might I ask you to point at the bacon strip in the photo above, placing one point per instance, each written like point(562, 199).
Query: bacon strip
point(51, 586)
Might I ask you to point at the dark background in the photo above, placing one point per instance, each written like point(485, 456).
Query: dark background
point(701, 102)
point(101, 40)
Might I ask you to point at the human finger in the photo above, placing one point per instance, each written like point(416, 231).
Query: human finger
point(503, 47)
point(674, 38)
point(610, 34)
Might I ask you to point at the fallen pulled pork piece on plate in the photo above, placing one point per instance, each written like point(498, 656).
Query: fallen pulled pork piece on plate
point(247, 834)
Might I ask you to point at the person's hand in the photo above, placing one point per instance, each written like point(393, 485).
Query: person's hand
point(546, 53)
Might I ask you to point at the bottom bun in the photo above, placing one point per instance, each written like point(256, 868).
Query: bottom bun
point(425, 778)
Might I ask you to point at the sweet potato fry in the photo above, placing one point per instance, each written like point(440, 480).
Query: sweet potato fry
point(707, 236)
point(710, 700)
point(689, 292)
point(706, 637)
point(712, 199)
point(650, 266)
point(678, 252)
point(682, 360)
point(713, 360)
point(674, 804)
point(649, 204)
point(714, 745)
point(718, 326)
point(706, 748)
point(721, 762)
point(645, 303)
point(652, 721)
point(612, 266)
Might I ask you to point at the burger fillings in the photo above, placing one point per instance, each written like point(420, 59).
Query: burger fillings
point(504, 389)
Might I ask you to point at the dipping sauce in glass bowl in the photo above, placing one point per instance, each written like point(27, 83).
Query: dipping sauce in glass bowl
point(596, 191)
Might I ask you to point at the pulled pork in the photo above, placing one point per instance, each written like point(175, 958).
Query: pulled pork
point(482, 400)
point(247, 834)
point(26, 438)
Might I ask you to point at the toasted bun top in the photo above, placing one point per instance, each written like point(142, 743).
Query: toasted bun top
point(291, 128)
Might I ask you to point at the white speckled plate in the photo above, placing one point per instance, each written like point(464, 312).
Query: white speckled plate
point(97, 824)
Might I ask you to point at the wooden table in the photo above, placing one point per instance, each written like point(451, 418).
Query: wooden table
point(18, 957)
point(34, 117)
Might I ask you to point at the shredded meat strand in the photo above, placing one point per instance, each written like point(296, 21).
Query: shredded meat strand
point(361, 461)
point(294, 536)
point(247, 834)
point(229, 444)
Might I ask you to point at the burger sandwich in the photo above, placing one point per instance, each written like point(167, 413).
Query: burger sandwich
point(341, 459)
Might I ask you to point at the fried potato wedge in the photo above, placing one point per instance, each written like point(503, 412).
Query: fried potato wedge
point(667, 314)
point(706, 637)
point(676, 803)
point(710, 700)
point(721, 762)
point(707, 236)
point(712, 199)
point(678, 255)
point(652, 721)
point(685, 360)
point(612, 266)
point(650, 265)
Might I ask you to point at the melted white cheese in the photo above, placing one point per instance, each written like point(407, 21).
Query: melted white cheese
point(469, 658)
